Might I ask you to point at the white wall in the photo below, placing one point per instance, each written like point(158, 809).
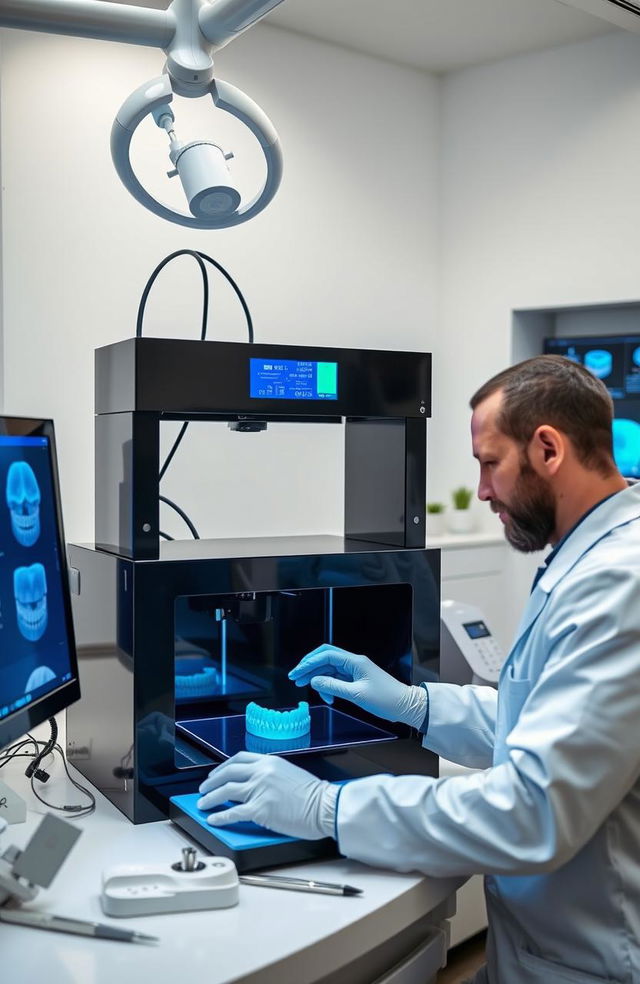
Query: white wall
point(345, 255)
point(540, 208)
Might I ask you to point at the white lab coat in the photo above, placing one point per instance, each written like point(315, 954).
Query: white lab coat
point(554, 818)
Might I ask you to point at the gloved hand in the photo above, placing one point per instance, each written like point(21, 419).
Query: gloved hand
point(272, 792)
point(334, 672)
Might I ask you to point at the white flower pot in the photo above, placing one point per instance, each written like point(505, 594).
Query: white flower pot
point(460, 521)
point(435, 524)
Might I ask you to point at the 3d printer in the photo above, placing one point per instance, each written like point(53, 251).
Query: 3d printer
point(176, 639)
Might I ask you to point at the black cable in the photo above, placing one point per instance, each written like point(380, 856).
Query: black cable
point(152, 279)
point(77, 810)
point(34, 767)
point(175, 447)
point(165, 536)
point(235, 287)
point(182, 514)
point(198, 257)
point(15, 751)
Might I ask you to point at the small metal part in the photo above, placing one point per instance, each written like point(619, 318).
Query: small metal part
point(189, 862)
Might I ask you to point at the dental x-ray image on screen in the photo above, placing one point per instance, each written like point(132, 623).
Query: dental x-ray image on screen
point(615, 359)
point(38, 670)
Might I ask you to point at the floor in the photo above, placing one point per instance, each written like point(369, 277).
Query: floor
point(463, 961)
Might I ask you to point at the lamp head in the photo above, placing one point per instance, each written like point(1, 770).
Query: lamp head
point(202, 168)
point(201, 165)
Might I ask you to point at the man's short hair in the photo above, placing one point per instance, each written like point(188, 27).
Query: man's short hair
point(553, 390)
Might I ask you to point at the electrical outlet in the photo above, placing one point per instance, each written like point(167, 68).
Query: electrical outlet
point(77, 752)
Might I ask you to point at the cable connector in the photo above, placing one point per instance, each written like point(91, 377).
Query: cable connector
point(32, 770)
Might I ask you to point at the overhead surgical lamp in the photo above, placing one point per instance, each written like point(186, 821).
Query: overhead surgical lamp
point(189, 32)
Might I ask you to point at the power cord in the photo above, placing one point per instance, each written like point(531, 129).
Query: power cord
point(76, 809)
point(33, 769)
point(198, 257)
point(39, 751)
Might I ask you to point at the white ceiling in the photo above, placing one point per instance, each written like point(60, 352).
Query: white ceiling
point(439, 35)
point(434, 35)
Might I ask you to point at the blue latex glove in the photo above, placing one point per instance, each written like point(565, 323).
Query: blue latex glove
point(335, 672)
point(271, 792)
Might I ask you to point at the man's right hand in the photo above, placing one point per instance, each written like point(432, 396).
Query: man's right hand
point(335, 672)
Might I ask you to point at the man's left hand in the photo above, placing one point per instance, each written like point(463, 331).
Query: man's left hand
point(271, 792)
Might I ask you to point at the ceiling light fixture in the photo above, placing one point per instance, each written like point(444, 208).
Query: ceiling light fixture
point(189, 32)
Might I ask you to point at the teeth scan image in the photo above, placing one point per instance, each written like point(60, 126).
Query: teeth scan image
point(23, 500)
point(30, 591)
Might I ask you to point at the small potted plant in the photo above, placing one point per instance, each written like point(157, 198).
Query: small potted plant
point(435, 518)
point(461, 518)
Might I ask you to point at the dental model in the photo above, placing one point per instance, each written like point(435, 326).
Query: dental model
point(278, 725)
point(23, 500)
point(30, 592)
point(203, 683)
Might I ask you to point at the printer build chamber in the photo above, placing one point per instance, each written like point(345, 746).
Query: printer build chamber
point(182, 651)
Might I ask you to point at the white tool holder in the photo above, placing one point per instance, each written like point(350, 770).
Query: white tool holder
point(149, 889)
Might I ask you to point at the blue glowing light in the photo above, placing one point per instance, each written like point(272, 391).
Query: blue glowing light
point(626, 446)
point(599, 362)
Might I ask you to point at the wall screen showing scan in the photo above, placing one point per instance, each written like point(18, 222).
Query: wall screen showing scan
point(615, 359)
point(34, 648)
point(292, 379)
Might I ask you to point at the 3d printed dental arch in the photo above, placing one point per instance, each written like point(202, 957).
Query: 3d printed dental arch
point(202, 683)
point(23, 500)
point(266, 746)
point(278, 725)
point(30, 592)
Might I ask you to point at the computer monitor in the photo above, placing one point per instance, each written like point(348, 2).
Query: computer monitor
point(615, 359)
point(38, 664)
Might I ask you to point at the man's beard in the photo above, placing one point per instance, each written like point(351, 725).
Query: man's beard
point(532, 518)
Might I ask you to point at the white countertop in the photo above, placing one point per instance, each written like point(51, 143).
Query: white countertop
point(271, 936)
point(465, 540)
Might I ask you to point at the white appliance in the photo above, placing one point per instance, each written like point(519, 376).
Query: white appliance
point(469, 652)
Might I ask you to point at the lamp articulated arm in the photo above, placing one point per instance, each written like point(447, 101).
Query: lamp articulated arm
point(189, 32)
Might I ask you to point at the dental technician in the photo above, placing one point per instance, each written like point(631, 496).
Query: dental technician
point(553, 820)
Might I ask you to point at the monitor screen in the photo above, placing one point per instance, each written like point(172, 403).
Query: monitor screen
point(615, 359)
point(38, 666)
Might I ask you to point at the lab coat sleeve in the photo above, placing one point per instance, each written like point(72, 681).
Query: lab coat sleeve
point(571, 757)
point(462, 723)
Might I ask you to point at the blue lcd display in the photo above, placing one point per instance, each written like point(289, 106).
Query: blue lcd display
point(476, 630)
point(292, 379)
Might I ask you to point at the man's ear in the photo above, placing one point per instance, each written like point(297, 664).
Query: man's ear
point(547, 450)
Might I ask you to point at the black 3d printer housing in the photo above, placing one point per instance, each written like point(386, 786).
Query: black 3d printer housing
point(144, 608)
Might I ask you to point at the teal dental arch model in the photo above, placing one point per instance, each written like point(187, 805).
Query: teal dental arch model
point(278, 725)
